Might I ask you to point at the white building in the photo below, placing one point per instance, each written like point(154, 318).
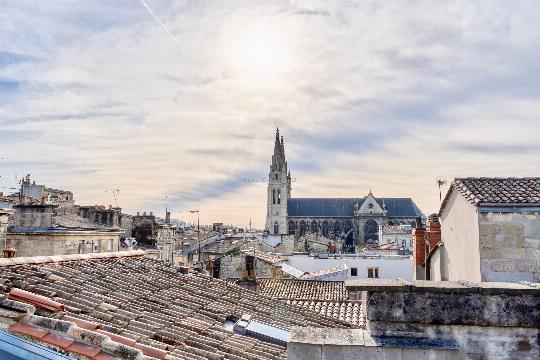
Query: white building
point(358, 266)
point(490, 231)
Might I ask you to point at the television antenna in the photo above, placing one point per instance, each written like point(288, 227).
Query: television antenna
point(440, 182)
point(114, 192)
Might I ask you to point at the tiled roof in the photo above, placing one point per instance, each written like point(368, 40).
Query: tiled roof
point(72, 221)
point(344, 207)
point(316, 274)
point(393, 229)
point(498, 191)
point(302, 289)
point(347, 310)
point(272, 259)
point(323, 297)
point(66, 222)
point(159, 308)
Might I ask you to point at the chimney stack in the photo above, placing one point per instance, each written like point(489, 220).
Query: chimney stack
point(433, 231)
point(419, 250)
point(167, 217)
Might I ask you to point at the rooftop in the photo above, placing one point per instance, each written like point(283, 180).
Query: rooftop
point(155, 306)
point(268, 257)
point(323, 297)
point(316, 274)
point(344, 207)
point(498, 191)
point(302, 289)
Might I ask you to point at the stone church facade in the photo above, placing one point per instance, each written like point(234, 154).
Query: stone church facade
point(354, 220)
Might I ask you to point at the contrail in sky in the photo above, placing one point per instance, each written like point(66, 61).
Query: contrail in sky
point(162, 25)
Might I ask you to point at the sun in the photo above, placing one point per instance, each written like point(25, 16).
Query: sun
point(257, 52)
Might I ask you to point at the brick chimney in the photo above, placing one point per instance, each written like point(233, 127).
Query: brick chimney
point(433, 231)
point(419, 250)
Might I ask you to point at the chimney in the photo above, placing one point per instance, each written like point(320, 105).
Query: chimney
point(419, 250)
point(151, 213)
point(9, 252)
point(138, 213)
point(167, 217)
point(110, 207)
point(433, 231)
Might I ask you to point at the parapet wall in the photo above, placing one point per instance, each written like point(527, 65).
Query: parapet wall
point(457, 320)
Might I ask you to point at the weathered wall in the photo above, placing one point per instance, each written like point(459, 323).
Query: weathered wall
point(459, 230)
point(510, 246)
point(482, 320)
point(352, 344)
point(232, 266)
point(62, 244)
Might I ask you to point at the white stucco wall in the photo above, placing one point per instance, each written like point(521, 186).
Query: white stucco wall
point(460, 234)
point(390, 267)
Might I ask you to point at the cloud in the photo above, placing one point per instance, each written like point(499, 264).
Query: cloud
point(383, 96)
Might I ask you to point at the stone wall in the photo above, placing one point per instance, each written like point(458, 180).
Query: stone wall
point(43, 244)
point(480, 320)
point(510, 246)
point(233, 266)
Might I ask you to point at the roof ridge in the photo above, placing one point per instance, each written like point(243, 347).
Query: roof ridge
point(63, 258)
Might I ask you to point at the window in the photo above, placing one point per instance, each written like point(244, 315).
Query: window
point(97, 246)
point(274, 196)
point(276, 176)
point(80, 247)
point(276, 228)
point(354, 271)
point(250, 263)
point(109, 245)
point(279, 196)
point(373, 272)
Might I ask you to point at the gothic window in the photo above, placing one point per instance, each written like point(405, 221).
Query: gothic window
point(303, 227)
point(276, 176)
point(276, 228)
point(314, 227)
point(325, 227)
point(279, 196)
point(371, 230)
point(274, 196)
point(337, 227)
point(292, 227)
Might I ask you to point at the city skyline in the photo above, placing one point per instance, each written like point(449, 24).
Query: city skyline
point(182, 99)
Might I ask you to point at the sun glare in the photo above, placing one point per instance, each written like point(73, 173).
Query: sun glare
point(261, 52)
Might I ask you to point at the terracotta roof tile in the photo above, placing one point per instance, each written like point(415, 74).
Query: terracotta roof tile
point(83, 349)
point(151, 351)
point(59, 341)
point(104, 356)
point(81, 323)
point(28, 330)
point(34, 299)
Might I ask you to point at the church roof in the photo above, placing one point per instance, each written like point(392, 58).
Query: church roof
point(344, 207)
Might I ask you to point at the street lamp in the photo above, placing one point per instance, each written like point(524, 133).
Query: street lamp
point(198, 236)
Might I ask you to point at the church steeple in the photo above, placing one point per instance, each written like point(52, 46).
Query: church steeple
point(279, 189)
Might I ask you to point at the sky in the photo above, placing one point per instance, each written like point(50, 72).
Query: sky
point(387, 96)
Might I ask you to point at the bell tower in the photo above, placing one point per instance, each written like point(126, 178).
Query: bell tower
point(279, 190)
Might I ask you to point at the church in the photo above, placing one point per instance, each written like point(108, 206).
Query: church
point(356, 220)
